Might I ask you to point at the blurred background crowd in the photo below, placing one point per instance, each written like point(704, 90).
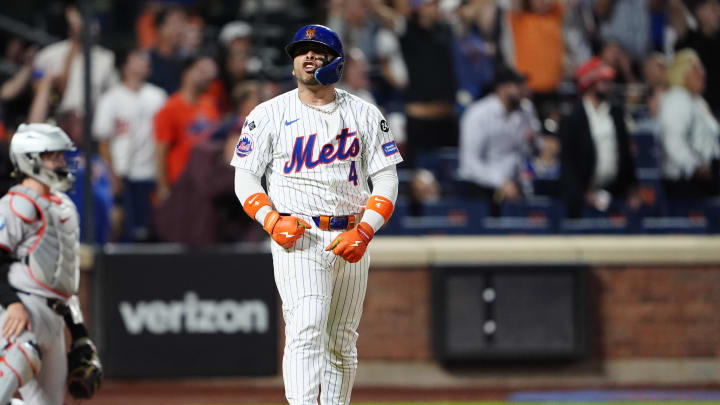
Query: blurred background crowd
point(545, 112)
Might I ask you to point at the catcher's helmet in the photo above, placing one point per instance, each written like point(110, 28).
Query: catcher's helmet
point(320, 34)
point(29, 141)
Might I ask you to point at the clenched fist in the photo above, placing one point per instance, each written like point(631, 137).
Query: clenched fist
point(284, 230)
point(351, 245)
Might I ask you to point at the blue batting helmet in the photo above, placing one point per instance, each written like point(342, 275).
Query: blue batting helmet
point(320, 34)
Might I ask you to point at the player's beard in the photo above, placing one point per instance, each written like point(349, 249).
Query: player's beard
point(308, 81)
point(513, 103)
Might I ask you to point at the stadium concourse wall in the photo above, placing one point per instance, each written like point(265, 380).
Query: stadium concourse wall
point(654, 311)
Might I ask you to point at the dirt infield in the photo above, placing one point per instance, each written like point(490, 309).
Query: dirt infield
point(181, 392)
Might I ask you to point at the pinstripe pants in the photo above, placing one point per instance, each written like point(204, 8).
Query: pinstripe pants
point(322, 298)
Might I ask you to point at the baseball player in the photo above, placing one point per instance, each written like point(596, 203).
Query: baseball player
point(317, 146)
point(39, 275)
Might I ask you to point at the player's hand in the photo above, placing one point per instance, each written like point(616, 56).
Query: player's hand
point(351, 245)
point(285, 230)
point(16, 321)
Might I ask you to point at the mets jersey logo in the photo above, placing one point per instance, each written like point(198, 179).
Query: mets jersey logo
point(302, 154)
point(244, 146)
point(310, 33)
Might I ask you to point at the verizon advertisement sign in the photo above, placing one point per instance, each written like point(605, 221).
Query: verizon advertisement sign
point(187, 314)
point(192, 315)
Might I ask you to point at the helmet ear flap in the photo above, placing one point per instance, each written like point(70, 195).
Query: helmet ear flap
point(331, 73)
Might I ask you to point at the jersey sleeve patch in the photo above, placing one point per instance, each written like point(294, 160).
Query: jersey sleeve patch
point(245, 146)
point(390, 148)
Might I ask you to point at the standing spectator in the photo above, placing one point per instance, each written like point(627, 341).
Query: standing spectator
point(595, 146)
point(613, 55)
point(581, 32)
point(495, 134)
point(191, 39)
point(186, 120)
point(145, 32)
point(655, 77)
point(476, 48)
point(351, 19)
point(538, 49)
point(202, 207)
point(124, 127)
point(538, 42)
point(165, 58)
point(705, 40)
point(626, 22)
point(388, 71)
point(688, 133)
point(65, 63)
point(426, 44)
point(16, 92)
point(355, 75)
point(235, 62)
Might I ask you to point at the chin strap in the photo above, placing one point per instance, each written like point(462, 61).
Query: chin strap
point(331, 73)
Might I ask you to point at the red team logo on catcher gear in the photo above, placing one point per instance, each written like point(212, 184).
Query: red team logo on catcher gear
point(244, 146)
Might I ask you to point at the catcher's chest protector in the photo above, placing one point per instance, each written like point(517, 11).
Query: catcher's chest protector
point(53, 258)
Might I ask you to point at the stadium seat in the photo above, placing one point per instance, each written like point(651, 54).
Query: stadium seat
point(443, 163)
point(534, 215)
point(446, 218)
point(712, 213)
point(646, 154)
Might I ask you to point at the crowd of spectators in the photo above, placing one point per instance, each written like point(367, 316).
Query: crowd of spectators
point(530, 98)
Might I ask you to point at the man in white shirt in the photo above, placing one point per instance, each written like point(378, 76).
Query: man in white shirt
point(64, 60)
point(495, 135)
point(596, 162)
point(124, 128)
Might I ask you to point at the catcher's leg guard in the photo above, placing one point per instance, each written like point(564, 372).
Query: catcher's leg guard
point(20, 362)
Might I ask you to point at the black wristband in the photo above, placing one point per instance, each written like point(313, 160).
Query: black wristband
point(7, 296)
point(77, 330)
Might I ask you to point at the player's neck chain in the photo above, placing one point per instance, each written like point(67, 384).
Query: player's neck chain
point(334, 105)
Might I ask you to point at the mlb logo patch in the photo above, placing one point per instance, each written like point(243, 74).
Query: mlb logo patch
point(244, 146)
point(390, 148)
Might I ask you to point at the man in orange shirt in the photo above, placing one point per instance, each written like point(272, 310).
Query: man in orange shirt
point(538, 42)
point(188, 118)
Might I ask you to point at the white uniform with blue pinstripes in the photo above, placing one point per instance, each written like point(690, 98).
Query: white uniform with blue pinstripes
point(322, 294)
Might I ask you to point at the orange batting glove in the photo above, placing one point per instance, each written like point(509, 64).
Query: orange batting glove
point(351, 245)
point(285, 230)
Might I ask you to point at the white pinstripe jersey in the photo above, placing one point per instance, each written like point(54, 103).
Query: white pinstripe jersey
point(316, 163)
